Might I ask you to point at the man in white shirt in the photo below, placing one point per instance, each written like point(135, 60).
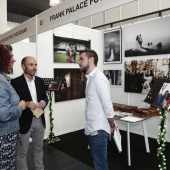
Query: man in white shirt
point(99, 110)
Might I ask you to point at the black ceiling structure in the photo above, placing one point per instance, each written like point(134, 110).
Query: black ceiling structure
point(20, 10)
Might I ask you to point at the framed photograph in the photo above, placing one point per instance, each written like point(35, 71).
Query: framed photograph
point(147, 38)
point(112, 46)
point(66, 50)
point(163, 98)
point(159, 95)
point(114, 77)
point(141, 74)
point(72, 84)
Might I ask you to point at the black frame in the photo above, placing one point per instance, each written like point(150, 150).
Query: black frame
point(112, 46)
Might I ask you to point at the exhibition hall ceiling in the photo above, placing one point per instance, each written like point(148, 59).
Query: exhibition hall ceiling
point(21, 10)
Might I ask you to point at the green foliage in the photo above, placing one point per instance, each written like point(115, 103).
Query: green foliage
point(161, 140)
point(51, 138)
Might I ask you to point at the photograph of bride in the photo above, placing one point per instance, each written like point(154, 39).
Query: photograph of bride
point(112, 46)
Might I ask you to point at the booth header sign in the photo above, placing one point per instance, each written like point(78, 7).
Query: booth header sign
point(74, 10)
point(21, 32)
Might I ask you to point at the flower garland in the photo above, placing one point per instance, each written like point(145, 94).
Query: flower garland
point(161, 140)
point(51, 138)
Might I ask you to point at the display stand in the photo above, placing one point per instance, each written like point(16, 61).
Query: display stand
point(50, 89)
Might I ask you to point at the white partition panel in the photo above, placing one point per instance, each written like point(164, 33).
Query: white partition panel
point(68, 115)
point(20, 50)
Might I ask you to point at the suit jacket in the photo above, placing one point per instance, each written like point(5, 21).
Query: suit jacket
point(21, 87)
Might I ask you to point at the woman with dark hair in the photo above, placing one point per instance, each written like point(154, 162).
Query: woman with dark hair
point(10, 111)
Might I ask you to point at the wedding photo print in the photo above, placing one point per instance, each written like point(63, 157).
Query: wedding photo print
point(114, 77)
point(159, 95)
point(72, 84)
point(66, 50)
point(163, 98)
point(141, 74)
point(147, 38)
point(112, 46)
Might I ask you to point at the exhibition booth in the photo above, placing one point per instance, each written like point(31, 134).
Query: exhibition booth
point(55, 28)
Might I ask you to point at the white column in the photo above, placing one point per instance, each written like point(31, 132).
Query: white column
point(3, 16)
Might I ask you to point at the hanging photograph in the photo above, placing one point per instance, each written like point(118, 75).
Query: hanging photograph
point(141, 74)
point(72, 84)
point(112, 46)
point(147, 38)
point(66, 50)
point(114, 77)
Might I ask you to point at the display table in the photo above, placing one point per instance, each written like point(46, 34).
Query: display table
point(141, 115)
point(128, 122)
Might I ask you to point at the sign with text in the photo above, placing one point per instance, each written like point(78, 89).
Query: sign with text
point(20, 32)
point(73, 10)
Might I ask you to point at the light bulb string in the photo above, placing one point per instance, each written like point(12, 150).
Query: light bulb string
point(161, 140)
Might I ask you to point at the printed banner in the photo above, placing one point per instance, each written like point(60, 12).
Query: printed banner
point(73, 10)
point(20, 32)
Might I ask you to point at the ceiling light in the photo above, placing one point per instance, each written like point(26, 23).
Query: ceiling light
point(55, 2)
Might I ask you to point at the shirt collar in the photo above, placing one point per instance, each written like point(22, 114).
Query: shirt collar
point(28, 79)
point(91, 73)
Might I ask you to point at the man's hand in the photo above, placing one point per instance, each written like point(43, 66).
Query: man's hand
point(41, 104)
point(113, 127)
point(112, 124)
point(31, 105)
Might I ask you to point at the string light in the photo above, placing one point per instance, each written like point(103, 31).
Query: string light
point(51, 138)
point(161, 140)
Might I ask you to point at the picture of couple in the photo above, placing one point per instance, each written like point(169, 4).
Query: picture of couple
point(66, 50)
point(71, 53)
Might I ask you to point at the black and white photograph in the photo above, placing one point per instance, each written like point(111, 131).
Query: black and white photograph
point(141, 74)
point(66, 50)
point(72, 84)
point(147, 38)
point(114, 77)
point(112, 46)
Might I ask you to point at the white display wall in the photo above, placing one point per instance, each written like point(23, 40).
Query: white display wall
point(68, 115)
point(119, 96)
point(20, 50)
point(134, 99)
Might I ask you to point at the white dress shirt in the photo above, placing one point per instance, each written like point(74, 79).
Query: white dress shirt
point(32, 89)
point(98, 103)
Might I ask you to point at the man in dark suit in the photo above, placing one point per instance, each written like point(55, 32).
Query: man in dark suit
point(31, 89)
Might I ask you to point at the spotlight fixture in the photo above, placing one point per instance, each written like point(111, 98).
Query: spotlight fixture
point(55, 2)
